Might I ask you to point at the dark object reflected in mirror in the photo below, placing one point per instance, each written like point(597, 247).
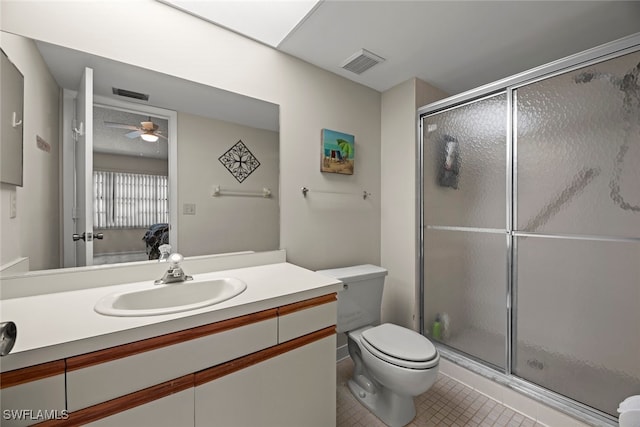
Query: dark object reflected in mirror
point(156, 235)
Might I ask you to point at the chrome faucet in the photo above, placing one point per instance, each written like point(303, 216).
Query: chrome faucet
point(174, 274)
point(165, 251)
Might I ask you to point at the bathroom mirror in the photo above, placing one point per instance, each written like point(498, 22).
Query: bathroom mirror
point(219, 150)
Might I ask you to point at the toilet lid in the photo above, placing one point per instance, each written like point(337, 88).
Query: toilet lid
point(400, 343)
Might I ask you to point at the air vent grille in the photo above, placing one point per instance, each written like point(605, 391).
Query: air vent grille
point(361, 61)
point(130, 94)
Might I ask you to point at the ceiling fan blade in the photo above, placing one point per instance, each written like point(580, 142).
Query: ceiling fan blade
point(134, 134)
point(161, 136)
point(120, 126)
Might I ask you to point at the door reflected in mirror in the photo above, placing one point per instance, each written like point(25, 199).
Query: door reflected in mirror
point(130, 185)
point(162, 148)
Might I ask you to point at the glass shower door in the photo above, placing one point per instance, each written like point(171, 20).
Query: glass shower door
point(577, 247)
point(465, 225)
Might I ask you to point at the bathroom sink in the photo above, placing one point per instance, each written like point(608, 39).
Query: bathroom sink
point(171, 298)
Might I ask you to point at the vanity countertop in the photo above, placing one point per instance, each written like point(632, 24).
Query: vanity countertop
point(63, 324)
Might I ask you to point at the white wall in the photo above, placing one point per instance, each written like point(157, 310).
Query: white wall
point(317, 232)
point(34, 232)
point(398, 210)
point(225, 223)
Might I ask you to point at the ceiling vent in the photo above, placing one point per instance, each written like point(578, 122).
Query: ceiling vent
point(361, 61)
point(130, 94)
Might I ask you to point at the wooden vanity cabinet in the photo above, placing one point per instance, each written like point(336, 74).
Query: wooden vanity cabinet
point(271, 368)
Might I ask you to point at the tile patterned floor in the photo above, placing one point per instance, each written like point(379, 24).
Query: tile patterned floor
point(447, 403)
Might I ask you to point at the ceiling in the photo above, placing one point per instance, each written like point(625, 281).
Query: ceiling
point(111, 140)
point(169, 92)
point(453, 45)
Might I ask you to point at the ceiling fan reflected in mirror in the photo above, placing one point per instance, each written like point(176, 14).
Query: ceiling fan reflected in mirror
point(148, 130)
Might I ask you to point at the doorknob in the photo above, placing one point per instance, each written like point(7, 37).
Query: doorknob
point(87, 237)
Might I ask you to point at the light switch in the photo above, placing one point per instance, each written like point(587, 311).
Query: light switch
point(189, 209)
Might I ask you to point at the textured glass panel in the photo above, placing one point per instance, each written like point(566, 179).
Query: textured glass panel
point(578, 318)
point(465, 288)
point(578, 151)
point(465, 164)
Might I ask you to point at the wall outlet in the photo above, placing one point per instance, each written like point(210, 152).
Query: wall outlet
point(13, 203)
point(189, 209)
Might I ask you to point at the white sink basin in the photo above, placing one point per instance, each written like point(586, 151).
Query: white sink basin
point(172, 298)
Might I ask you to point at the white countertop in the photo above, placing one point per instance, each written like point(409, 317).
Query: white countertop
point(63, 324)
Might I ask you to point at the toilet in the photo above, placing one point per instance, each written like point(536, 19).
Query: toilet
point(392, 364)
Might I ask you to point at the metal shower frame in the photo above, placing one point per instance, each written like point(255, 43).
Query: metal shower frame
point(508, 86)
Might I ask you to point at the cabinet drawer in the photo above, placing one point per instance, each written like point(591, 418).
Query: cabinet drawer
point(170, 411)
point(100, 382)
point(296, 388)
point(302, 318)
point(33, 394)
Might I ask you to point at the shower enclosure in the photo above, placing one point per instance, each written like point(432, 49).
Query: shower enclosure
point(530, 228)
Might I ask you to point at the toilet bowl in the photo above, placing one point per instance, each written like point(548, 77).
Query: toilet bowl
point(392, 364)
point(386, 383)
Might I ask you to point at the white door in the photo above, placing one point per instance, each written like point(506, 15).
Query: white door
point(84, 170)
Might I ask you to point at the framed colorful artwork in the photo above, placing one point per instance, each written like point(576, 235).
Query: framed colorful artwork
point(338, 152)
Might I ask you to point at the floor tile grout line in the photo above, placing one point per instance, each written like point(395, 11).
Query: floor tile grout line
point(449, 402)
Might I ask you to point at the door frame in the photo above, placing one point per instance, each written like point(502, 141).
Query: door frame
point(68, 257)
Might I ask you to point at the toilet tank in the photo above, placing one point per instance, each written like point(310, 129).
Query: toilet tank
point(360, 301)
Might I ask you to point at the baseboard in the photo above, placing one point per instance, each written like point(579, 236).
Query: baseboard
point(342, 352)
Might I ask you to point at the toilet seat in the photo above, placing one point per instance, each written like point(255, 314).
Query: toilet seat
point(400, 346)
